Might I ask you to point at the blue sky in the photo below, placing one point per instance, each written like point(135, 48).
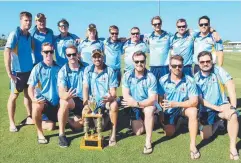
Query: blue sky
point(224, 15)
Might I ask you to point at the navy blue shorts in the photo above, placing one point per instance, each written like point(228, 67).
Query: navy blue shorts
point(21, 83)
point(50, 112)
point(172, 118)
point(208, 118)
point(135, 113)
point(78, 106)
point(159, 71)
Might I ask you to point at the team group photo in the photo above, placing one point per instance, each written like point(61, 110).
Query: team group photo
point(153, 82)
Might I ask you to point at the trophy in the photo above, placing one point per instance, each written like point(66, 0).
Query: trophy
point(92, 140)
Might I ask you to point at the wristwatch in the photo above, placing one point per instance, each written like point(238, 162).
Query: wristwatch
point(232, 107)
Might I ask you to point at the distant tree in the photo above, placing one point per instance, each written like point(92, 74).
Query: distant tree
point(226, 42)
point(3, 40)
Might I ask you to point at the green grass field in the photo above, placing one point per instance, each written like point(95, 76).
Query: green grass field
point(23, 147)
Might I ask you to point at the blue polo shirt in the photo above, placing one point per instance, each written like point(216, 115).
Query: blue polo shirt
point(206, 43)
point(61, 45)
point(86, 47)
point(45, 78)
point(180, 92)
point(38, 39)
point(100, 84)
point(140, 89)
point(68, 78)
point(212, 87)
point(183, 46)
point(113, 52)
point(159, 48)
point(21, 47)
point(129, 49)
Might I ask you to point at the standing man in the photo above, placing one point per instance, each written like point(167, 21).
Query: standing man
point(70, 83)
point(139, 90)
point(113, 49)
point(211, 80)
point(40, 34)
point(43, 92)
point(205, 42)
point(159, 44)
point(131, 46)
point(62, 41)
point(178, 96)
point(18, 63)
point(100, 82)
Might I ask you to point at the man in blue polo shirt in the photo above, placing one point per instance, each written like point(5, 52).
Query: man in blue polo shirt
point(140, 93)
point(89, 44)
point(18, 63)
point(211, 81)
point(113, 49)
point(100, 83)
point(43, 92)
point(179, 96)
point(62, 41)
point(70, 84)
point(159, 45)
point(40, 34)
point(131, 46)
point(204, 41)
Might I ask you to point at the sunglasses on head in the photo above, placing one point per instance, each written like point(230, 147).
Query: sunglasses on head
point(181, 26)
point(157, 24)
point(48, 51)
point(203, 24)
point(113, 33)
point(140, 61)
point(136, 33)
point(175, 66)
point(207, 61)
point(73, 54)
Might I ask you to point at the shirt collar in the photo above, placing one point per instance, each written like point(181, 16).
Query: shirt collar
point(144, 75)
point(69, 70)
point(183, 79)
point(162, 34)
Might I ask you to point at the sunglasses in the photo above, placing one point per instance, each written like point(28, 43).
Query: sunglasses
point(203, 24)
point(73, 54)
point(207, 62)
point(63, 25)
point(48, 51)
point(140, 61)
point(137, 33)
point(182, 26)
point(157, 24)
point(114, 33)
point(175, 66)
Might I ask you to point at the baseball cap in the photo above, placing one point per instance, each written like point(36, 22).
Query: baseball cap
point(40, 16)
point(97, 51)
point(92, 26)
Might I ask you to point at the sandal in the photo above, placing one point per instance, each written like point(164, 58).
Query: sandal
point(42, 141)
point(234, 156)
point(112, 143)
point(147, 151)
point(195, 155)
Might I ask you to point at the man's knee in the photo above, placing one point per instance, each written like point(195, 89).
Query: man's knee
point(206, 132)
point(137, 127)
point(13, 96)
point(48, 125)
point(37, 109)
point(170, 130)
point(149, 111)
point(64, 104)
point(191, 113)
point(114, 106)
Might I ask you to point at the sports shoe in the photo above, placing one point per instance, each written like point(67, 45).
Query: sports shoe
point(63, 142)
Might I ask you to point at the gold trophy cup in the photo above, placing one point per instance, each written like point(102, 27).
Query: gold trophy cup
point(92, 141)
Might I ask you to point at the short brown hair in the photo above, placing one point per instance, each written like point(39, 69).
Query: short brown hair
point(203, 53)
point(156, 18)
point(176, 57)
point(135, 28)
point(113, 27)
point(181, 21)
point(72, 47)
point(138, 53)
point(47, 44)
point(25, 13)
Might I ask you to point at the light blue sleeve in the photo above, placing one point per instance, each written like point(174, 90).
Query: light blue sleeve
point(12, 40)
point(219, 45)
point(125, 81)
point(147, 48)
point(192, 88)
point(152, 88)
point(224, 75)
point(62, 78)
point(34, 76)
point(113, 82)
point(80, 46)
point(86, 79)
point(101, 46)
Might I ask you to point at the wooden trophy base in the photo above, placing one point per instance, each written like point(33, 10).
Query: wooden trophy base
point(91, 142)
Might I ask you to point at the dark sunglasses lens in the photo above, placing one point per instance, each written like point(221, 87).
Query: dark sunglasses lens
point(135, 33)
point(181, 26)
point(48, 51)
point(175, 66)
point(203, 24)
point(74, 54)
point(157, 24)
point(114, 33)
